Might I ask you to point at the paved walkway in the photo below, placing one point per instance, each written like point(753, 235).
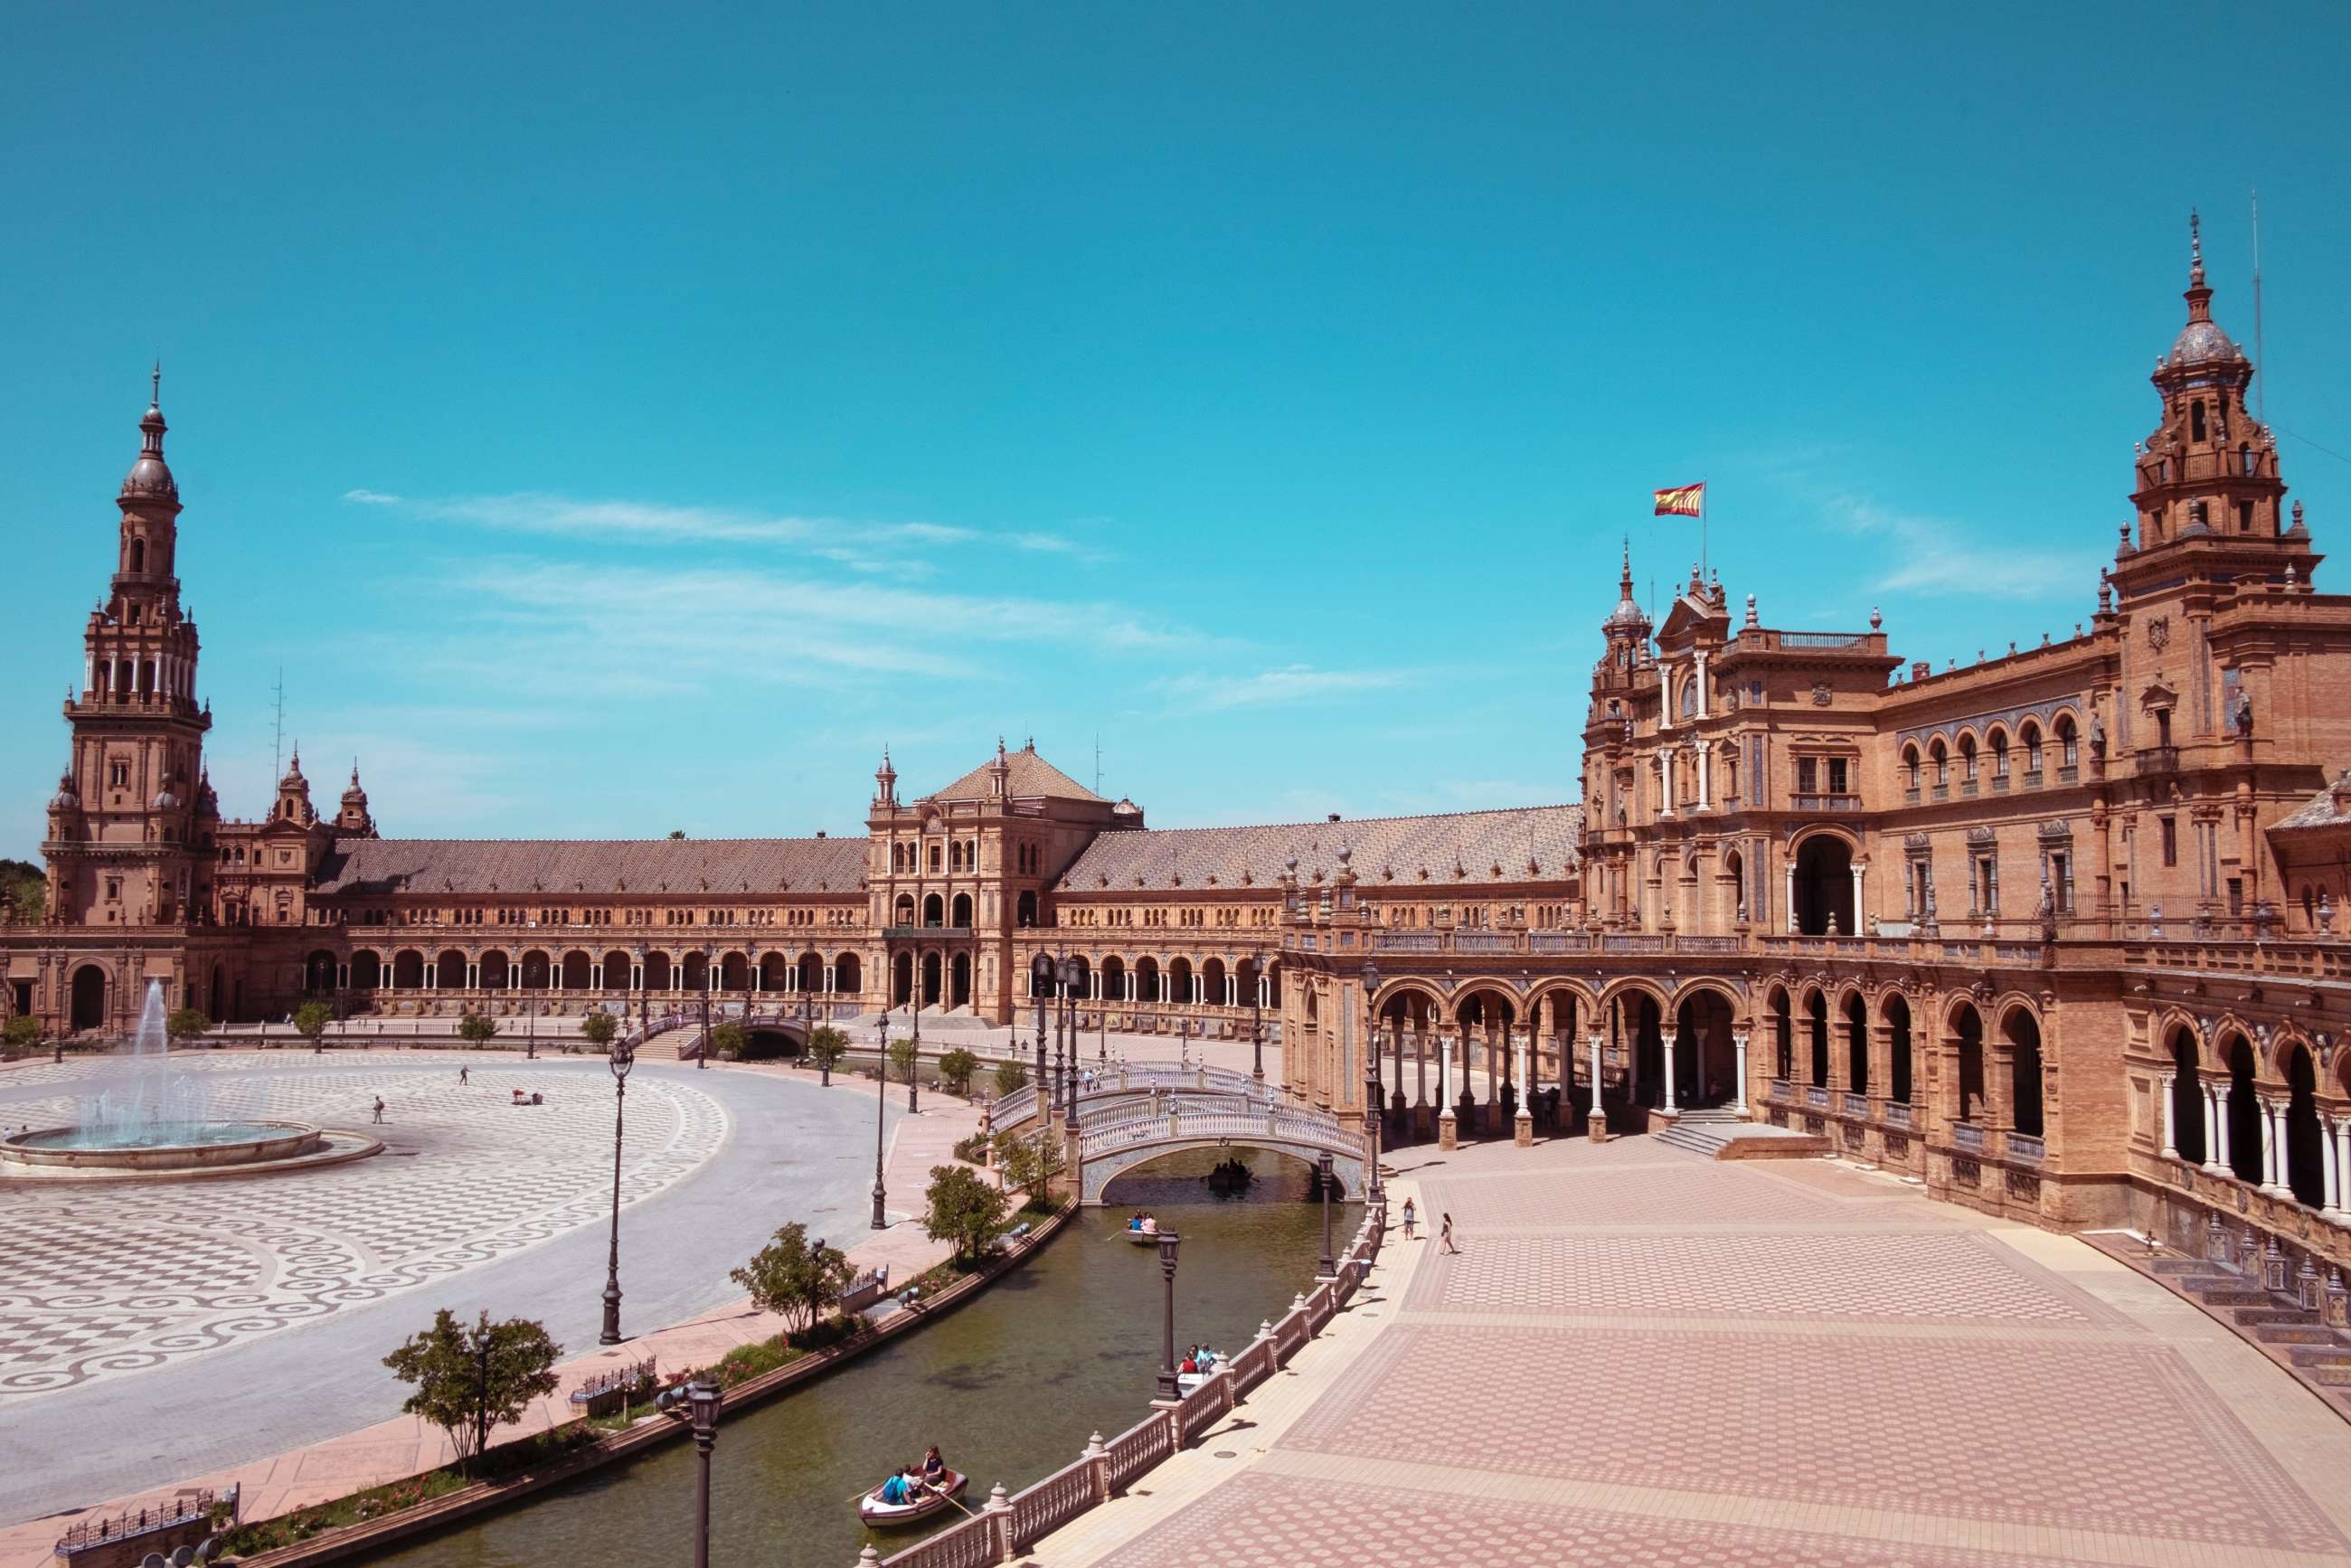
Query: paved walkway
point(338, 1460)
point(1642, 1357)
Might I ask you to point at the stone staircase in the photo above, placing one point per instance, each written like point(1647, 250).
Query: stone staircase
point(2277, 1321)
point(1722, 1133)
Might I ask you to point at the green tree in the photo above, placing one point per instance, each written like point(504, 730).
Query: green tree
point(903, 1059)
point(963, 1209)
point(310, 1022)
point(728, 1040)
point(186, 1024)
point(677, 832)
point(25, 890)
point(598, 1029)
point(477, 1029)
point(24, 1035)
point(796, 1278)
point(956, 1067)
point(1011, 1077)
point(1052, 1159)
point(1015, 1161)
point(469, 1381)
point(825, 1046)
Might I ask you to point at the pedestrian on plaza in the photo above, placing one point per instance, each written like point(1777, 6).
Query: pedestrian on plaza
point(1410, 1215)
point(379, 1108)
point(462, 1075)
point(1445, 1235)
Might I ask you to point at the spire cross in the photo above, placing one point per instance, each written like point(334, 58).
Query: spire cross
point(156, 396)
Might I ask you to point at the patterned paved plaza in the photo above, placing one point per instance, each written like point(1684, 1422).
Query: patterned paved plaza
point(101, 1281)
point(1643, 1357)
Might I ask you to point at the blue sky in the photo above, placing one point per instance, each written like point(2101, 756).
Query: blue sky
point(616, 420)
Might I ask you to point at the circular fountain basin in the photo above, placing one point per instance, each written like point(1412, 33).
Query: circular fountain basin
point(196, 1146)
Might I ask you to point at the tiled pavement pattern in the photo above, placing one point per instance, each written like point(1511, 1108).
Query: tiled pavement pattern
point(1643, 1357)
point(102, 1281)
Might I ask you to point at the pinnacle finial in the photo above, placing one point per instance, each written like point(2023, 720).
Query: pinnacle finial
point(155, 395)
point(2195, 248)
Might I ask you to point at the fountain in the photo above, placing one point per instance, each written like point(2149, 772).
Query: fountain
point(151, 1117)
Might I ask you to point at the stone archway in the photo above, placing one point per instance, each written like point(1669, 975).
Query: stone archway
point(88, 1001)
point(1823, 886)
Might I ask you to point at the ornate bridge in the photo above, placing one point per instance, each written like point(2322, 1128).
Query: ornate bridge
point(1143, 1112)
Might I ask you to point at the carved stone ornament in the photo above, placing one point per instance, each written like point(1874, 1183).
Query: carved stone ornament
point(1820, 694)
point(1981, 835)
point(2056, 828)
point(1914, 841)
point(2158, 632)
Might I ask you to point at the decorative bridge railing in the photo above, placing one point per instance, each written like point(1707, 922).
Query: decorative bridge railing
point(1010, 1525)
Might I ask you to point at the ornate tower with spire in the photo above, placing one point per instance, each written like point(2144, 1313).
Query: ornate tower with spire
point(353, 820)
point(125, 829)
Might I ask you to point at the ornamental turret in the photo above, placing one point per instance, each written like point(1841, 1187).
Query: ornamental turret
point(352, 820)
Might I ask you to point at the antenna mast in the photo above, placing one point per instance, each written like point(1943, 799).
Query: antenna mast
point(277, 730)
point(2261, 382)
point(1098, 762)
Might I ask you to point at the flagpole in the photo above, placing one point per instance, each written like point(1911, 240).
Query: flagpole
point(1702, 561)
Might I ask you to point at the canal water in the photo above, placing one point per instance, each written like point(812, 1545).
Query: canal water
point(1008, 1387)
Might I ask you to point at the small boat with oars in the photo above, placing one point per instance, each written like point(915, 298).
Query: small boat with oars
point(923, 1498)
point(1143, 1230)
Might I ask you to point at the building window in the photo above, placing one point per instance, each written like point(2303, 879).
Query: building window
point(1808, 780)
point(2169, 829)
point(1838, 777)
point(2236, 895)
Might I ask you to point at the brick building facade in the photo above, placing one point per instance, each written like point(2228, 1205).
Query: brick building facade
point(2052, 931)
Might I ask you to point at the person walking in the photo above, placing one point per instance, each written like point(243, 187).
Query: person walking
point(462, 1075)
point(1445, 1234)
point(379, 1108)
point(1409, 1218)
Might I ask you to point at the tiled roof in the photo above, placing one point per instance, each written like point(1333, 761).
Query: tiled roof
point(570, 867)
point(1032, 777)
point(1387, 851)
point(2322, 811)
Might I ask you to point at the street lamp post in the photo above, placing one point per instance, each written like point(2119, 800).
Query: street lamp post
point(531, 1031)
point(1256, 1011)
point(1374, 1101)
point(1044, 1090)
point(709, 982)
point(1169, 1389)
point(623, 1056)
point(881, 1100)
point(914, 1064)
point(702, 1395)
point(807, 1032)
point(1328, 1265)
point(1067, 973)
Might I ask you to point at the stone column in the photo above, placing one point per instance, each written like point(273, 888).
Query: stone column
point(1670, 1040)
point(2217, 1127)
point(1860, 909)
point(1599, 1117)
point(2338, 1139)
point(2270, 1182)
point(1698, 659)
point(1790, 907)
point(2171, 1133)
point(1705, 776)
point(1666, 777)
point(596, 976)
point(1738, 1087)
point(2333, 1203)
point(1447, 1134)
point(1522, 1130)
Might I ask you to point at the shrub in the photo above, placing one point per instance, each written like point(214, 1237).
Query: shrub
point(477, 1029)
point(186, 1024)
point(963, 1209)
point(1011, 1077)
point(795, 1278)
point(471, 1380)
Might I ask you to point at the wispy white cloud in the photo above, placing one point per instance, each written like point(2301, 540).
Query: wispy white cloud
point(1288, 686)
point(860, 544)
point(1937, 555)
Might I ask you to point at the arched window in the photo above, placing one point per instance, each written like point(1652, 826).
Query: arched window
point(1025, 912)
point(139, 554)
point(2305, 1146)
point(1856, 1044)
point(1998, 743)
point(2029, 737)
point(1941, 760)
point(2024, 1073)
point(1910, 762)
point(1783, 1039)
point(2069, 751)
point(2196, 420)
point(1966, 1029)
point(1968, 759)
point(2245, 1114)
point(1898, 1048)
point(2187, 1099)
point(1816, 1009)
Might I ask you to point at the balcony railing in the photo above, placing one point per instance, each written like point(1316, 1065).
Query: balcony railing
point(1825, 802)
point(2158, 760)
point(1898, 1113)
point(1823, 639)
point(2033, 779)
point(1780, 1089)
point(1968, 1135)
point(2025, 1146)
point(1856, 1104)
point(1816, 1097)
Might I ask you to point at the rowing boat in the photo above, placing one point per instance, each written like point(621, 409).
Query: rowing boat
point(931, 1500)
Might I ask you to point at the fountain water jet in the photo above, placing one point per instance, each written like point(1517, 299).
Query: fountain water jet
point(152, 1117)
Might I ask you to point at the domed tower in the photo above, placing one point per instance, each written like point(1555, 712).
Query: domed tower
point(353, 820)
point(885, 782)
point(294, 795)
point(2209, 472)
point(129, 855)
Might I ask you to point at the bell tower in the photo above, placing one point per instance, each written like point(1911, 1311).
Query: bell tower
point(123, 828)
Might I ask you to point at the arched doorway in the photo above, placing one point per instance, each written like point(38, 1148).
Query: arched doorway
point(1816, 1014)
point(1897, 1014)
point(88, 1002)
point(1783, 1039)
point(1025, 910)
point(1706, 1062)
point(1966, 1030)
point(847, 976)
point(961, 911)
point(1645, 1020)
point(934, 909)
point(2306, 1150)
point(1824, 886)
point(1113, 979)
point(959, 977)
point(319, 972)
point(2244, 1114)
point(2187, 1099)
point(2023, 1033)
point(1856, 1045)
point(367, 971)
point(902, 979)
point(931, 980)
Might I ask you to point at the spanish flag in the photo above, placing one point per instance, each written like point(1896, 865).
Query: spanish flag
point(1682, 501)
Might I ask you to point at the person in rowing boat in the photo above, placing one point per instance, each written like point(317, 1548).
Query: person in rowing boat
point(1134, 1221)
point(934, 1468)
point(1191, 1362)
point(901, 1490)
